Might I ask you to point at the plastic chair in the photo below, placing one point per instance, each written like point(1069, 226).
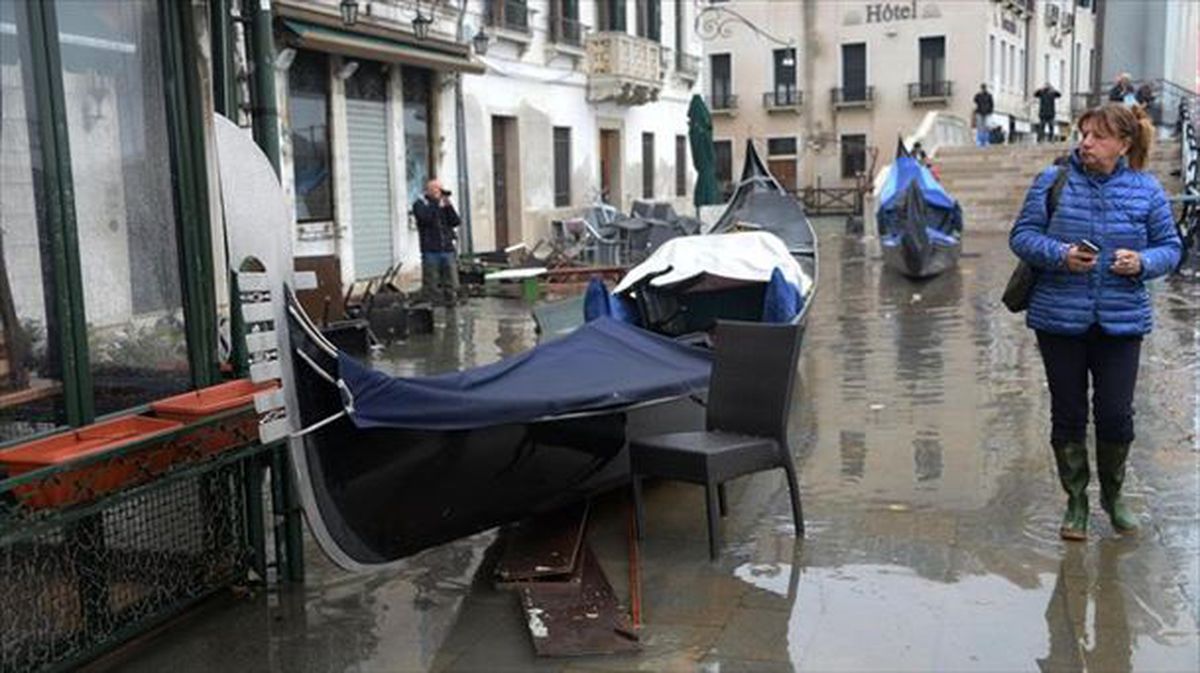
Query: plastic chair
point(746, 423)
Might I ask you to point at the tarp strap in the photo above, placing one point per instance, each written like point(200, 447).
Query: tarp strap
point(320, 372)
point(318, 425)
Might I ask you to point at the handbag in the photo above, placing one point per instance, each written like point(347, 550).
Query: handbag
point(1021, 282)
point(1019, 287)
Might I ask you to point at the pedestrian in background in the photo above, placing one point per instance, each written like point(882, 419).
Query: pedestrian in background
point(436, 224)
point(1122, 91)
point(1111, 231)
point(984, 105)
point(1046, 97)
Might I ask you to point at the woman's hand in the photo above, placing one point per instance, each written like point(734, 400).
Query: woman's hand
point(1126, 263)
point(1080, 260)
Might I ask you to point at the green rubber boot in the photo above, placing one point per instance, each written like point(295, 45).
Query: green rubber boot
point(1073, 474)
point(1110, 464)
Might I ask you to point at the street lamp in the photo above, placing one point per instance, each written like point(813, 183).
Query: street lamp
point(349, 10)
point(480, 41)
point(420, 23)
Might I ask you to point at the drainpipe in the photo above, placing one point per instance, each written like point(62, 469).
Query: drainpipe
point(460, 143)
point(265, 112)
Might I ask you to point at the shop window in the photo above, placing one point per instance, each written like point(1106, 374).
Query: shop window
point(562, 166)
point(112, 78)
point(854, 155)
point(308, 119)
point(418, 115)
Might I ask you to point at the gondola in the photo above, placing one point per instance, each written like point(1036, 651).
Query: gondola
point(758, 262)
point(919, 223)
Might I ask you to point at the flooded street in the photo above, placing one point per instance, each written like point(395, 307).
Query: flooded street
point(920, 434)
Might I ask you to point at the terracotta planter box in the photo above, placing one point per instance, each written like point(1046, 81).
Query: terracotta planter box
point(194, 406)
point(70, 487)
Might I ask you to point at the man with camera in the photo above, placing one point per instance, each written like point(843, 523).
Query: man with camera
point(437, 222)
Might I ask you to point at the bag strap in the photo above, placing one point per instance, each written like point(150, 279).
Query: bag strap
point(1055, 195)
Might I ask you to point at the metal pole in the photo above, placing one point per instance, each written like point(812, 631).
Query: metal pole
point(265, 111)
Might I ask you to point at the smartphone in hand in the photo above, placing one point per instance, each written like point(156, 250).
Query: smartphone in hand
point(1084, 244)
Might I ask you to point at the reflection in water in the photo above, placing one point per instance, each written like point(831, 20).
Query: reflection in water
point(927, 456)
point(1086, 616)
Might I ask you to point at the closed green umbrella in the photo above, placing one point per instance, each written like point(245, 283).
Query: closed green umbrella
point(704, 156)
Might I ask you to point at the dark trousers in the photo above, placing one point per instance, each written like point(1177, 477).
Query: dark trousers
point(439, 276)
point(1045, 129)
point(1113, 364)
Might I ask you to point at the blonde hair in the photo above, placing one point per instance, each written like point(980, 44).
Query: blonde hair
point(1127, 123)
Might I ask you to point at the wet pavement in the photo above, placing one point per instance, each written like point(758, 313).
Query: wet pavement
point(920, 435)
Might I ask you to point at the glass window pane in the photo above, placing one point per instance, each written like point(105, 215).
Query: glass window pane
point(124, 206)
point(31, 398)
point(416, 83)
point(308, 118)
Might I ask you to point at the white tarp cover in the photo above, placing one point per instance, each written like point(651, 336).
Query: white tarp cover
point(747, 255)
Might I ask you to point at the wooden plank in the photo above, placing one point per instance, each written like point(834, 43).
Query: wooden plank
point(543, 546)
point(589, 622)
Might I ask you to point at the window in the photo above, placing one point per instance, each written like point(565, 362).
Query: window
point(1021, 70)
point(649, 19)
point(785, 77)
point(992, 60)
point(418, 116)
point(308, 118)
point(1012, 62)
point(647, 165)
point(611, 15)
point(854, 72)
point(723, 153)
point(1003, 64)
point(681, 144)
point(562, 166)
point(1045, 70)
point(1078, 67)
point(722, 81)
point(785, 147)
point(564, 22)
point(932, 60)
point(1062, 75)
point(854, 155)
point(99, 305)
point(508, 14)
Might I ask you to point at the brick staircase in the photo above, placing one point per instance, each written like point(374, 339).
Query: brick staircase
point(990, 182)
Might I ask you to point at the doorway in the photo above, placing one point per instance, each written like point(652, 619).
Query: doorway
point(610, 167)
point(505, 195)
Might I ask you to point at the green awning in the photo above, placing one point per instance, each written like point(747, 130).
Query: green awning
point(337, 41)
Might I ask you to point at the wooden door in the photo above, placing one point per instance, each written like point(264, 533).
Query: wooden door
point(610, 167)
point(500, 181)
point(784, 171)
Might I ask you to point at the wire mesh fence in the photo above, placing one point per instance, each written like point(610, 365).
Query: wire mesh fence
point(97, 563)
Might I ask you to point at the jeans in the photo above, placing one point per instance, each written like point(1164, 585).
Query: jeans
point(1113, 365)
point(439, 276)
point(981, 130)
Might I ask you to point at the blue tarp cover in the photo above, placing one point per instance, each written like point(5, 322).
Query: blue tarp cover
point(603, 364)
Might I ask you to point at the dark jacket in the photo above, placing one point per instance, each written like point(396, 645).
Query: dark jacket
point(983, 103)
point(1117, 93)
point(1126, 209)
point(435, 225)
point(1046, 96)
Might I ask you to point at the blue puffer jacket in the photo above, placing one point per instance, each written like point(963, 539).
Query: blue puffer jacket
point(1126, 209)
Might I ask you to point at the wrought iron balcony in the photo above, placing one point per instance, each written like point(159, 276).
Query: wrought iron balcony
point(847, 97)
point(930, 92)
point(783, 99)
point(623, 68)
point(568, 32)
point(509, 15)
point(722, 103)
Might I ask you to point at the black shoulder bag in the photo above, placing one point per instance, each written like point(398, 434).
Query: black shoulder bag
point(1020, 283)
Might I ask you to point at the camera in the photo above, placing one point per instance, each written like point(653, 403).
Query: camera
point(446, 192)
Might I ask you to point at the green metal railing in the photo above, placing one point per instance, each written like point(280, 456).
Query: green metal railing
point(103, 564)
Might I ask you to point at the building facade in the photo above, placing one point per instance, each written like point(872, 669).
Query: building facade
point(1151, 40)
point(865, 73)
point(581, 102)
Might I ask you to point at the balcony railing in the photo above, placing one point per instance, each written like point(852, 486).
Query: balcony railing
point(936, 90)
point(568, 31)
point(722, 102)
point(509, 15)
point(623, 68)
point(783, 98)
point(860, 96)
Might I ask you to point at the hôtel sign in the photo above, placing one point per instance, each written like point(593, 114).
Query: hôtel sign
point(886, 12)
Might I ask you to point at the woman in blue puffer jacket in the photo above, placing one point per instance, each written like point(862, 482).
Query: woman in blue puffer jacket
point(1091, 309)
